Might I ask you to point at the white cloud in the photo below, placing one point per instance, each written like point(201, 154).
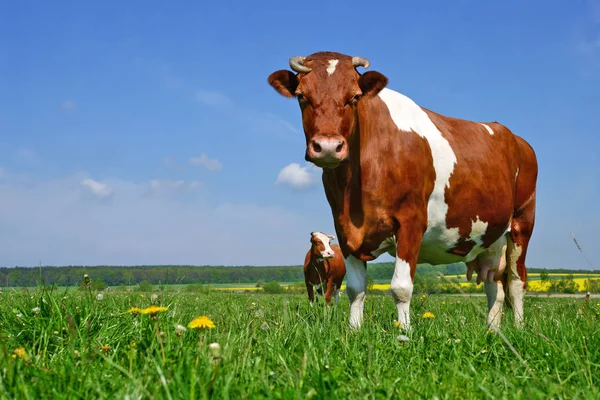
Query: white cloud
point(211, 164)
point(68, 105)
point(297, 177)
point(99, 189)
point(213, 98)
point(133, 229)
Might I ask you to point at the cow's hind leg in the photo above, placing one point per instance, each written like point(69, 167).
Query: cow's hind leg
point(518, 241)
point(407, 251)
point(356, 288)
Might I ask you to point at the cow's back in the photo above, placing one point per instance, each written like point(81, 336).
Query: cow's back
point(479, 194)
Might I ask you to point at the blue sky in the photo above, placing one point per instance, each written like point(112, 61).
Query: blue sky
point(146, 133)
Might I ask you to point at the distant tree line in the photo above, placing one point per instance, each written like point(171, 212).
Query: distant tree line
point(177, 274)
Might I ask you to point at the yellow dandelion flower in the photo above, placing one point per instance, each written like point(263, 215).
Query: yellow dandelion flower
point(201, 323)
point(152, 310)
point(491, 332)
point(443, 302)
point(428, 314)
point(20, 352)
point(398, 324)
point(135, 310)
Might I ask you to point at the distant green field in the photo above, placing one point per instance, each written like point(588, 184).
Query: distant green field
point(73, 345)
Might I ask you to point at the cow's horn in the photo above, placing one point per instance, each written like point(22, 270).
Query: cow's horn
point(297, 64)
point(360, 62)
point(331, 237)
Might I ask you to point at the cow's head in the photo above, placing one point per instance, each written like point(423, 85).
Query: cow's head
point(320, 245)
point(329, 89)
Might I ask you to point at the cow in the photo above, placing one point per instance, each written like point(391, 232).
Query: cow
point(324, 266)
point(421, 186)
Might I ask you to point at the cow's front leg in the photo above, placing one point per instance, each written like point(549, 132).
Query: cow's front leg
point(310, 291)
point(356, 288)
point(329, 291)
point(409, 239)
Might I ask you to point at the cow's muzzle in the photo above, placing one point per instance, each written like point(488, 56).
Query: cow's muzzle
point(327, 151)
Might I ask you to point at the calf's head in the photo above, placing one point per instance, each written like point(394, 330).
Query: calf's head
point(320, 247)
point(328, 89)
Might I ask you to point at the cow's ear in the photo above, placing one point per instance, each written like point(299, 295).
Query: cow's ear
point(372, 82)
point(284, 81)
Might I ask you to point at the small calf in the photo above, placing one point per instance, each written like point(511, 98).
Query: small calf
point(324, 265)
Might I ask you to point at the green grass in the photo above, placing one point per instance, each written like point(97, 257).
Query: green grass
point(279, 347)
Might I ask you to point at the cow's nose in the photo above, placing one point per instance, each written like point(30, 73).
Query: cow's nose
point(327, 150)
point(328, 146)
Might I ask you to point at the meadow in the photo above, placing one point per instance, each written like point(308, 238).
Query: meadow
point(78, 345)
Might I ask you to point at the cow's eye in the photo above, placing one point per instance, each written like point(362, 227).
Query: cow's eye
point(354, 99)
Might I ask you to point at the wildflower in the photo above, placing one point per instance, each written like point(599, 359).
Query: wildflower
point(456, 340)
point(398, 324)
point(271, 373)
point(264, 326)
point(215, 351)
point(86, 279)
point(105, 348)
point(135, 310)
point(154, 297)
point(179, 329)
point(491, 331)
point(76, 353)
point(19, 315)
point(483, 351)
point(20, 352)
point(259, 313)
point(55, 332)
point(201, 323)
point(99, 297)
point(152, 310)
point(36, 310)
point(443, 302)
point(428, 314)
point(402, 338)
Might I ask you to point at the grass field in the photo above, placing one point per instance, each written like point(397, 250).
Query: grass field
point(72, 345)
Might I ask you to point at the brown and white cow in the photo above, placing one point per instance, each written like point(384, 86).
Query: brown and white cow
point(324, 266)
point(402, 179)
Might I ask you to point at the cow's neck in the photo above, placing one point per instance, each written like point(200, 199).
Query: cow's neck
point(348, 187)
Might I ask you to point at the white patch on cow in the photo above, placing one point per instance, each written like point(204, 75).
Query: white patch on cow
point(478, 229)
point(328, 252)
point(356, 288)
point(331, 66)
point(402, 288)
point(515, 284)
point(488, 129)
point(409, 117)
point(517, 174)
